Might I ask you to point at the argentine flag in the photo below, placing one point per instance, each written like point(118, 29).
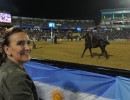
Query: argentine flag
point(55, 83)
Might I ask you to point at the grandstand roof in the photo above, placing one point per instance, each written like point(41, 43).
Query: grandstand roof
point(115, 11)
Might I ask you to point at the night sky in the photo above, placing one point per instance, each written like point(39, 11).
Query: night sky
point(61, 9)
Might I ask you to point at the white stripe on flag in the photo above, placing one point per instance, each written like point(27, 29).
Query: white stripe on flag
point(50, 92)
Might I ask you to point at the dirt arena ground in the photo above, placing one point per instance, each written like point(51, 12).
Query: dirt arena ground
point(119, 53)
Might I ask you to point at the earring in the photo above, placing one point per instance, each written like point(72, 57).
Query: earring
point(10, 55)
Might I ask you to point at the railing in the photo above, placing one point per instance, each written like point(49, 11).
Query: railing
point(96, 69)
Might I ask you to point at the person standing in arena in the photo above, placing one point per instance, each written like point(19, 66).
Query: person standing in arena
point(15, 83)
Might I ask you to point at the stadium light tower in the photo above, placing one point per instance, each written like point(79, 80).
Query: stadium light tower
point(78, 29)
point(51, 25)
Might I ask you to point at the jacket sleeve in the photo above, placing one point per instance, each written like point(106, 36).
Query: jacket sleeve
point(18, 87)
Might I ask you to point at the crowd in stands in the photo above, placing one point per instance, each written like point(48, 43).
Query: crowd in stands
point(65, 34)
point(45, 34)
point(44, 22)
point(112, 34)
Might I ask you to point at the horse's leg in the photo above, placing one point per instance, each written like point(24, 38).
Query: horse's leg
point(90, 49)
point(84, 51)
point(102, 51)
point(106, 54)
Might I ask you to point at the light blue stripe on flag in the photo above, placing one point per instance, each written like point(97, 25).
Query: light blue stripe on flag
point(70, 84)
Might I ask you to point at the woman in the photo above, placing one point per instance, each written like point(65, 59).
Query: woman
point(15, 84)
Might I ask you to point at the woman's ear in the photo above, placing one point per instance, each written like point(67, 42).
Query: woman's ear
point(7, 50)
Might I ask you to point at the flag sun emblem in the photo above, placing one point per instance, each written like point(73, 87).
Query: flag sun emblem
point(57, 95)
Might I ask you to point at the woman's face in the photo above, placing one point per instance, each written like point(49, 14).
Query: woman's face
point(19, 47)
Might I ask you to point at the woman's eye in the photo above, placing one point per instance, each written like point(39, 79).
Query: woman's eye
point(21, 43)
point(29, 42)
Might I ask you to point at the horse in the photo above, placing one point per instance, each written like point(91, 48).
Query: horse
point(94, 42)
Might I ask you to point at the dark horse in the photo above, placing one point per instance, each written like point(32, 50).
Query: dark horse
point(94, 42)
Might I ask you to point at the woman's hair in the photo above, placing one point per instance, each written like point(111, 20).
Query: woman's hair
point(6, 41)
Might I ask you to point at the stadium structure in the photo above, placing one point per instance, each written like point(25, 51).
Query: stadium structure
point(113, 21)
point(115, 18)
point(41, 25)
point(110, 18)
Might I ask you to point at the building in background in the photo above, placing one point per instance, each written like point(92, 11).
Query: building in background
point(115, 18)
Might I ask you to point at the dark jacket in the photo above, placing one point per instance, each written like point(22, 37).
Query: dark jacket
point(15, 84)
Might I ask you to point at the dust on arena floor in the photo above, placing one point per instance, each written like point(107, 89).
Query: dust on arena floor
point(70, 51)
